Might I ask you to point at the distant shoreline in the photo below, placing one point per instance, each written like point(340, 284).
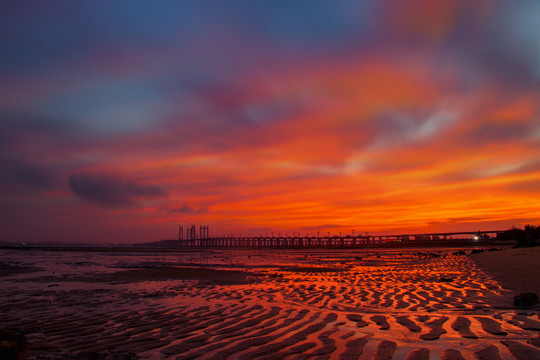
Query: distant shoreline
point(147, 248)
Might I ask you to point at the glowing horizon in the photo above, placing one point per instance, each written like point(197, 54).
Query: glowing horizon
point(121, 121)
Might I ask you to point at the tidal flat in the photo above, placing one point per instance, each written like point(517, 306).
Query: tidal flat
point(262, 304)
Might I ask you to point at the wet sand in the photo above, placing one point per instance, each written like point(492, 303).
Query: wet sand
point(516, 269)
point(407, 304)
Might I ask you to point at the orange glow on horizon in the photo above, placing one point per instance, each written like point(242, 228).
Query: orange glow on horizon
point(325, 163)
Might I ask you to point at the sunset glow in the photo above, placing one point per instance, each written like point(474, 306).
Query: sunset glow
point(120, 120)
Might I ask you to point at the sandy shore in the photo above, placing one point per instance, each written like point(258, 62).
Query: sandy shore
point(244, 305)
point(517, 270)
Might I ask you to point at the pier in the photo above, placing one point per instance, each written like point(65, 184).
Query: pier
point(276, 240)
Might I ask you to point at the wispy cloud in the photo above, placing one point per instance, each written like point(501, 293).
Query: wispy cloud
point(249, 115)
point(186, 209)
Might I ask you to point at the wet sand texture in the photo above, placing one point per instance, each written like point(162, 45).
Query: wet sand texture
point(418, 354)
point(522, 351)
point(461, 325)
point(353, 349)
point(358, 320)
point(451, 354)
point(489, 353)
point(516, 269)
point(385, 307)
point(436, 329)
point(385, 350)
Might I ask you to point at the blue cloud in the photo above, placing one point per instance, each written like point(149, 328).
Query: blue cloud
point(111, 191)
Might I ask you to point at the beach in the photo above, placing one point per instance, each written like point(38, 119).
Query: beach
point(268, 304)
point(516, 269)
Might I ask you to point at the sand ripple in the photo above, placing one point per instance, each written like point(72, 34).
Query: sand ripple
point(399, 307)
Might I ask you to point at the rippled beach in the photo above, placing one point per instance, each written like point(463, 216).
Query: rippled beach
point(262, 304)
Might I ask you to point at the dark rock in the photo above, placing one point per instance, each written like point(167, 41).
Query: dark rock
point(8, 350)
point(526, 299)
point(12, 341)
point(445, 279)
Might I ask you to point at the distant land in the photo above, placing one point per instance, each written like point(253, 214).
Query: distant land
point(529, 236)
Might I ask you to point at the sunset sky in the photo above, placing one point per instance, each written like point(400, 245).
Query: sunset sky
point(120, 120)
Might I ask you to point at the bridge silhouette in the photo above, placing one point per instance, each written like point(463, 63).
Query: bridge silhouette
point(204, 240)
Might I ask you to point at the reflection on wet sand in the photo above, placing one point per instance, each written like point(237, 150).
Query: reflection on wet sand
point(410, 304)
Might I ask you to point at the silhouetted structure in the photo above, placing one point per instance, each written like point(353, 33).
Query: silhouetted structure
point(192, 240)
point(180, 235)
point(307, 241)
point(529, 236)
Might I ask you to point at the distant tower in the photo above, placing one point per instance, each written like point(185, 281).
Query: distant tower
point(180, 235)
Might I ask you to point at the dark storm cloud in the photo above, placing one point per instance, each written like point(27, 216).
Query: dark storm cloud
point(111, 191)
point(30, 148)
point(20, 174)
